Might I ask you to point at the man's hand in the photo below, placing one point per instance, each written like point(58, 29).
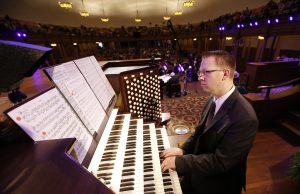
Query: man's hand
point(168, 163)
point(171, 152)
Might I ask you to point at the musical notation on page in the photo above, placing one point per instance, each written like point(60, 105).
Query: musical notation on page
point(92, 75)
point(102, 75)
point(76, 90)
point(49, 116)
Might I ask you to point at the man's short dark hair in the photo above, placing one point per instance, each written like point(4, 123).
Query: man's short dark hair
point(223, 58)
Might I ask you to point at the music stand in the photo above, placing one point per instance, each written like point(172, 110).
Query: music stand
point(19, 60)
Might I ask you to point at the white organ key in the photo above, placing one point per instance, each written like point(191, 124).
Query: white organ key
point(139, 167)
point(173, 174)
point(134, 183)
point(94, 164)
point(159, 188)
point(117, 170)
point(109, 155)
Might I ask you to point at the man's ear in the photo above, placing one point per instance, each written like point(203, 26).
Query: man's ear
point(226, 74)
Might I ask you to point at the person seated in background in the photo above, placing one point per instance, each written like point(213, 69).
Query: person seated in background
point(191, 74)
point(236, 77)
point(161, 71)
point(239, 86)
point(175, 79)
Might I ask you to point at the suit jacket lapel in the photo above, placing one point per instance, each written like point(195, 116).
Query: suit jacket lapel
point(205, 111)
point(223, 110)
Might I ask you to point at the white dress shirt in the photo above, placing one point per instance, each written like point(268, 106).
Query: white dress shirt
point(219, 102)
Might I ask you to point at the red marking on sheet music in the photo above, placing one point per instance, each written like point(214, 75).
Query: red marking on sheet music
point(44, 133)
point(18, 118)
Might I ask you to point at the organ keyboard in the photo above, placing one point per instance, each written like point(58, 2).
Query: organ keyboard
point(127, 157)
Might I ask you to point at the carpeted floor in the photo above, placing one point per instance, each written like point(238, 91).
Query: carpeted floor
point(185, 110)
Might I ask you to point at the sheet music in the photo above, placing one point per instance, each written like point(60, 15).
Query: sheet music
point(102, 75)
point(74, 87)
point(91, 74)
point(49, 116)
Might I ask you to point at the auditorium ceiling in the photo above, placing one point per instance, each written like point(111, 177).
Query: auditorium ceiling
point(121, 12)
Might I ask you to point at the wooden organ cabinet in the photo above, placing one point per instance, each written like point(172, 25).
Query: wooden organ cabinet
point(137, 86)
point(81, 142)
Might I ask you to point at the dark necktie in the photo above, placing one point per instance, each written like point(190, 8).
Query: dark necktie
point(210, 114)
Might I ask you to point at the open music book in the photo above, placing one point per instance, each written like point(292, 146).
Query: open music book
point(76, 108)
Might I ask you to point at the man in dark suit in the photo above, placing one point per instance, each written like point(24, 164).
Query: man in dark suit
point(214, 158)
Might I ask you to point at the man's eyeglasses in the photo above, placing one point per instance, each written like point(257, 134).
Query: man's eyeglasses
point(207, 72)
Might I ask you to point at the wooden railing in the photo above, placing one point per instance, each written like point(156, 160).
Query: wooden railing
point(270, 87)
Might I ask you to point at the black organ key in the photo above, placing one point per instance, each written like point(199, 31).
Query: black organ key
point(133, 122)
point(115, 133)
point(127, 173)
point(104, 168)
point(168, 189)
point(148, 175)
point(131, 147)
point(130, 133)
point(127, 180)
point(148, 170)
point(148, 165)
point(110, 147)
point(104, 174)
point(128, 170)
point(167, 183)
point(116, 127)
point(146, 143)
point(126, 188)
point(109, 152)
point(131, 138)
point(108, 159)
point(149, 185)
point(128, 164)
point(166, 179)
point(149, 179)
point(127, 184)
point(149, 189)
point(130, 158)
point(118, 122)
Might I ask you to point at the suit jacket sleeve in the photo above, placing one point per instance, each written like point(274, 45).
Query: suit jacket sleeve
point(232, 149)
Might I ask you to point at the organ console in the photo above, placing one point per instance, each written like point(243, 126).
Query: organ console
point(127, 157)
point(122, 158)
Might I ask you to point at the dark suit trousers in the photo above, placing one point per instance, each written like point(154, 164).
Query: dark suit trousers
point(188, 189)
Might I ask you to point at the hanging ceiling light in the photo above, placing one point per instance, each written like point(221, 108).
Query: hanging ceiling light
point(65, 5)
point(188, 3)
point(167, 17)
point(103, 18)
point(137, 18)
point(179, 10)
point(83, 13)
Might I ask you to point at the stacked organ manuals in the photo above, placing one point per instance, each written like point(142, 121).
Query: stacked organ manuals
point(123, 153)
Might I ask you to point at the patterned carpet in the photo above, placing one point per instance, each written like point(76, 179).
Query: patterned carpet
point(185, 110)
